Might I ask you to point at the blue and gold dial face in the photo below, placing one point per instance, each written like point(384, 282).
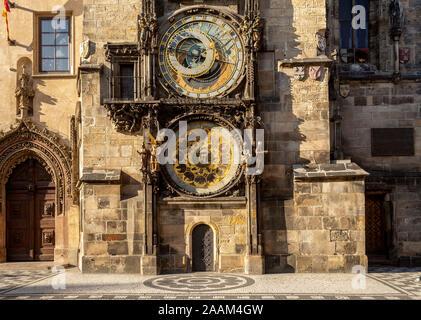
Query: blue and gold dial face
point(201, 56)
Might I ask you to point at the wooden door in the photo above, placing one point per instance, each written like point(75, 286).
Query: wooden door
point(375, 225)
point(18, 227)
point(203, 247)
point(30, 220)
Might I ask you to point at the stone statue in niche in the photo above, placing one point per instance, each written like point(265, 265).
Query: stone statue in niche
point(143, 31)
point(148, 32)
point(396, 17)
point(24, 94)
point(321, 43)
point(154, 32)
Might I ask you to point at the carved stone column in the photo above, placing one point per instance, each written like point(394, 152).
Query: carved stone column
point(150, 171)
point(147, 45)
point(252, 35)
point(254, 260)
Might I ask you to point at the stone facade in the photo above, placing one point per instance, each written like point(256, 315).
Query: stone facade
point(384, 94)
point(305, 213)
point(43, 131)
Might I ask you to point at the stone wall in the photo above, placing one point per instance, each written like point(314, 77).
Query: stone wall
point(380, 105)
point(295, 113)
point(407, 204)
point(296, 117)
point(112, 214)
point(326, 231)
point(402, 200)
point(177, 221)
point(112, 227)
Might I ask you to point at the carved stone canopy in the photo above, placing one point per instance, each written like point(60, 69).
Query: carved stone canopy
point(131, 117)
point(121, 50)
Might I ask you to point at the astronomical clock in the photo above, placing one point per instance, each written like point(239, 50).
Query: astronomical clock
point(195, 65)
point(201, 56)
point(204, 68)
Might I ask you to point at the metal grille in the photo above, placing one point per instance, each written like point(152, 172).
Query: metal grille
point(203, 248)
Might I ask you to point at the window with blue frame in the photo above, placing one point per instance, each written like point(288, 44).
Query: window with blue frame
point(353, 24)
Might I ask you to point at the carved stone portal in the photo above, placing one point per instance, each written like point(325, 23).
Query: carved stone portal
point(28, 141)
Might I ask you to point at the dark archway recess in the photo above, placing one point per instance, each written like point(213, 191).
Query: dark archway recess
point(203, 249)
point(30, 213)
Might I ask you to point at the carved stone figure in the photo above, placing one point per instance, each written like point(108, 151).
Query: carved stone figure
point(344, 90)
point(24, 94)
point(252, 32)
point(143, 32)
point(143, 158)
point(148, 32)
point(321, 44)
point(256, 33)
point(154, 32)
point(244, 30)
point(396, 17)
point(154, 158)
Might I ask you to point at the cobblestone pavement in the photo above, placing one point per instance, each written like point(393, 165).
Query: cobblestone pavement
point(407, 280)
point(10, 280)
point(381, 284)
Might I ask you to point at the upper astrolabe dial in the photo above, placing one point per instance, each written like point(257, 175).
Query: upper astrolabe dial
point(201, 56)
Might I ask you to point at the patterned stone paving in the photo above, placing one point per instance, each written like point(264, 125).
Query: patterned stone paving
point(405, 281)
point(210, 297)
point(14, 279)
point(202, 283)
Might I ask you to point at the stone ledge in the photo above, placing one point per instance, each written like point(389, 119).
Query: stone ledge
point(91, 175)
point(206, 201)
point(372, 76)
point(316, 61)
point(338, 169)
point(90, 67)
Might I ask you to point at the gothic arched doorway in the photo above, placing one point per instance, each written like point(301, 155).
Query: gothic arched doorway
point(30, 213)
point(203, 248)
